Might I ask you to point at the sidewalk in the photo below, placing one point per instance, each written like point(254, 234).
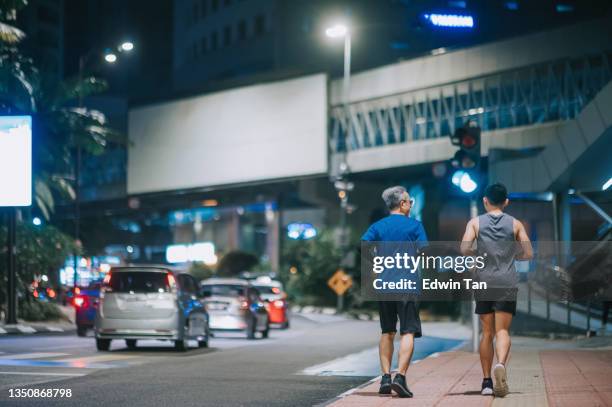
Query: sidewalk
point(26, 327)
point(540, 373)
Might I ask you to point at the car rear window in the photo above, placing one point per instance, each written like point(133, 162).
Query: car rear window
point(223, 290)
point(139, 282)
point(264, 289)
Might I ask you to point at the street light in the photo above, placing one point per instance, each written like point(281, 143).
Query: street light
point(336, 31)
point(342, 186)
point(110, 57)
point(127, 46)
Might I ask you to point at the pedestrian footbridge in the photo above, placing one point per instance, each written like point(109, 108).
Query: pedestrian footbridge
point(526, 93)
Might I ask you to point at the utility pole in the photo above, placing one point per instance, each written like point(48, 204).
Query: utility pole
point(11, 316)
point(475, 321)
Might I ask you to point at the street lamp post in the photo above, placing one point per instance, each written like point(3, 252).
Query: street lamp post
point(110, 57)
point(342, 186)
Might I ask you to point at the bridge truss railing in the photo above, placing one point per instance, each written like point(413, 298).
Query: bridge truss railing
point(541, 93)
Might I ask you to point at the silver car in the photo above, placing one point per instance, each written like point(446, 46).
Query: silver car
point(150, 302)
point(234, 305)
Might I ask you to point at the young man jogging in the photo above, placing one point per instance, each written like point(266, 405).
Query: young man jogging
point(491, 230)
point(397, 227)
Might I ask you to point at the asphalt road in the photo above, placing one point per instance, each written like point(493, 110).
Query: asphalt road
point(233, 372)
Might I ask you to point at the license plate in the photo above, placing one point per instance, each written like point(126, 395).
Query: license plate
point(214, 306)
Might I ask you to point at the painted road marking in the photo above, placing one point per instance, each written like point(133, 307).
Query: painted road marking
point(42, 374)
point(54, 329)
point(55, 363)
point(37, 355)
point(2, 331)
point(25, 329)
point(99, 358)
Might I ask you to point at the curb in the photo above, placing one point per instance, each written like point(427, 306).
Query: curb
point(309, 309)
point(21, 329)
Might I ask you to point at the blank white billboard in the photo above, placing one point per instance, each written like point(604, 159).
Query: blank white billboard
point(15, 161)
point(254, 133)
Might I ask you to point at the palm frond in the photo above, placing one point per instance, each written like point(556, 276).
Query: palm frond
point(10, 34)
point(44, 197)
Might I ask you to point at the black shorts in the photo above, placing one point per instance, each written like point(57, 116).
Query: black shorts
point(406, 311)
point(487, 307)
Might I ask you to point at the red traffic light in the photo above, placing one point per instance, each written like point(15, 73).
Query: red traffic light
point(468, 141)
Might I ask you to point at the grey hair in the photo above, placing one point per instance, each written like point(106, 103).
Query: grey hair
point(393, 196)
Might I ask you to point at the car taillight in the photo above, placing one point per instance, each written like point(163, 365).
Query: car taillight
point(244, 304)
point(279, 303)
point(106, 287)
point(170, 280)
point(80, 302)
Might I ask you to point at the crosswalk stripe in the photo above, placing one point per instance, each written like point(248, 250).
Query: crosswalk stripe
point(99, 358)
point(25, 329)
point(35, 355)
point(42, 374)
point(54, 329)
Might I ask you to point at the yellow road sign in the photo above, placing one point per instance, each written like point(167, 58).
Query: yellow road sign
point(340, 282)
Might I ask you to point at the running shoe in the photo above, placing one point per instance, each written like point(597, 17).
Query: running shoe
point(400, 387)
point(487, 387)
point(501, 380)
point(385, 384)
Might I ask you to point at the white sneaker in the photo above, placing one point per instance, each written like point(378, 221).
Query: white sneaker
point(501, 380)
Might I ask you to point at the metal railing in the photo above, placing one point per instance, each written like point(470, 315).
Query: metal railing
point(541, 93)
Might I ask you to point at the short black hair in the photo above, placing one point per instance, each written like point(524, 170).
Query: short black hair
point(496, 194)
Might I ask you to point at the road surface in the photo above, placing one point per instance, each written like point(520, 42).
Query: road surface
point(315, 360)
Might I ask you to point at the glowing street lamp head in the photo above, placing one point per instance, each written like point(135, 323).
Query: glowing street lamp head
point(127, 46)
point(110, 58)
point(337, 31)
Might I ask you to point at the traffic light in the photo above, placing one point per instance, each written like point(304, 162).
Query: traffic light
point(467, 159)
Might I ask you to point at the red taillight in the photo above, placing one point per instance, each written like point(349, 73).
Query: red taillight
point(106, 287)
point(244, 304)
point(171, 281)
point(275, 290)
point(51, 292)
point(80, 302)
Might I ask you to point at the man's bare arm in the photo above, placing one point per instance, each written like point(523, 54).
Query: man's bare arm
point(468, 238)
point(523, 239)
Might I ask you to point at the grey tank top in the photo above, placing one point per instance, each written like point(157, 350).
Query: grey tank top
point(496, 239)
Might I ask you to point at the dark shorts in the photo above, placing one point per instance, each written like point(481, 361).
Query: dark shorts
point(505, 301)
point(406, 311)
point(487, 307)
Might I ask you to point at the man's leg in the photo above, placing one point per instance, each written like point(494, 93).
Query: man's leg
point(502, 336)
point(502, 348)
point(410, 327)
point(385, 351)
point(486, 343)
point(405, 352)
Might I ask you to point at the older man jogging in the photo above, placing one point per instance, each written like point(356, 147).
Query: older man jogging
point(493, 230)
point(397, 227)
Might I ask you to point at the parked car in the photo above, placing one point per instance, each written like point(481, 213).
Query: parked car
point(275, 299)
point(150, 302)
point(234, 305)
point(85, 305)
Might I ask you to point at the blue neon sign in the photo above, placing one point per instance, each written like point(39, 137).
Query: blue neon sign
point(450, 20)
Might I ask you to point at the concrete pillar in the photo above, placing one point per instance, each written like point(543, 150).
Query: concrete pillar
point(562, 225)
point(273, 226)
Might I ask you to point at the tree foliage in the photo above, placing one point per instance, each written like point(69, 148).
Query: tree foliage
point(60, 125)
point(313, 261)
point(40, 250)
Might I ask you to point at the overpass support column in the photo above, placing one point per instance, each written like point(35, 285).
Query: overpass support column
point(562, 218)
